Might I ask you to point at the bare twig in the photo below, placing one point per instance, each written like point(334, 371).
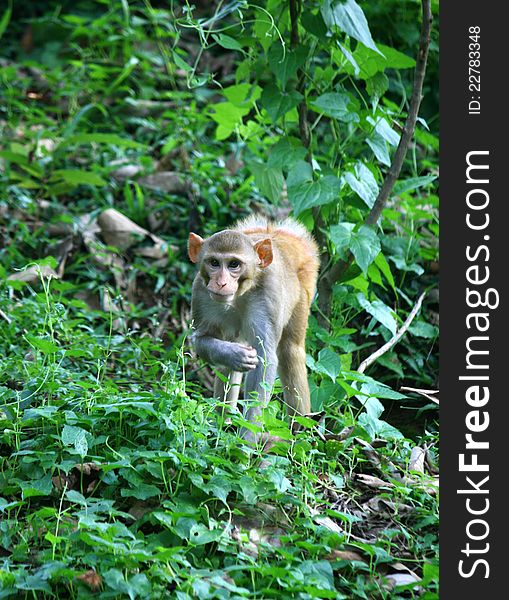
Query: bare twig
point(340, 268)
point(395, 339)
point(426, 393)
point(6, 317)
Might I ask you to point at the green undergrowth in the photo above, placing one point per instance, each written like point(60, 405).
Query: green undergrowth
point(117, 475)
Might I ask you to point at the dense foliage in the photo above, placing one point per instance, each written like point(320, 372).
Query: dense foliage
point(118, 478)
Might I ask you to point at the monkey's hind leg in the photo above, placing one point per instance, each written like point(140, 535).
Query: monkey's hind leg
point(227, 392)
point(292, 363)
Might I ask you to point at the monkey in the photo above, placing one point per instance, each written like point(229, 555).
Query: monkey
point(250, 303)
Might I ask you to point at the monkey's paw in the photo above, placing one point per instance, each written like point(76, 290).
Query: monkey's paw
point(242, 358)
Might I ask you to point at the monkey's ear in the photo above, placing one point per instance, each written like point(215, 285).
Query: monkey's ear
point(264, 250)
point(194, 246)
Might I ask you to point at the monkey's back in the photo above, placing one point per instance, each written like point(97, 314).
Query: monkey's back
point(293, 243)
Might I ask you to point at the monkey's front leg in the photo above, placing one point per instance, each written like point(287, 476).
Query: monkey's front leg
point(234, 356)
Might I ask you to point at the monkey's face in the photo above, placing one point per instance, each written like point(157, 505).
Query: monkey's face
point(229, 262)
point(223, 274)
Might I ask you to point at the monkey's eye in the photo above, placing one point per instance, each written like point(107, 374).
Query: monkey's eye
point(234, 264)
point(214, 262)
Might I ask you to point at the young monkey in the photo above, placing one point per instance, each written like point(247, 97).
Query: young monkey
point(250, 306)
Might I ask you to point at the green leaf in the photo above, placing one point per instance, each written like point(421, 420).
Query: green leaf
point(423, 329)
point(181, 63)
point(227, 42)
point(363, 243)
point(38, 487)
point(228, 117)
point(387, 431)
point(383, 265)
point(77, 437)
point(301, 173)
point(372, 406)
point(76, 177)
point(32, 168)
point(365, 246)
point(314, 23)
point(286, 153)
point(243, 95)
point(341, 235)
point(137, 586)
point(377, 85)
point(269, 181)
point(15, 157)
point(43, 344)
point(349, 57)
point(278, 103)
point(395, 59)
point(280, 481)
point(265, 32)
point(370, 62)
point(200, 535)
point(45, 412)
point(379, 311)
point(285, 64)
point(385, 130)
point(142, 491)
point(218, 486)
point(363, 183)
point(4, 21)
point(350, 18)
point(305, 193)
point(379, 146)
point(335, 105)
point(377, 428)
point(390, 361)
point(328, 363)
point(379, 390)
point(412, 183)
point(76, 497)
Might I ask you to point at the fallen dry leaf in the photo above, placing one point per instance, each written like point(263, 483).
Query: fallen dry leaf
point(63, 481)
point(397, 579)
point(87, 468)
point(348, 555)
point(372, 481)
point(91, 579)
point(341, 436)
point(126, 172)
point(417, 458)
point(165, 181)
point(118, 230)
point(34, 273)
point(326, 522)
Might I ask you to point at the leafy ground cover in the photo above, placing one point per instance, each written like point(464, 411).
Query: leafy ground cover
point(123, 126)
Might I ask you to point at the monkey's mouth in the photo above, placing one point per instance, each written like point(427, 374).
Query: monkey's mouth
point(222, 298)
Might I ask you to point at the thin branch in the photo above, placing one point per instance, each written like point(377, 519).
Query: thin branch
point(6, 317)
point(294, 20)
point(341, 267)
point(394, 340)
point(426, 393)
